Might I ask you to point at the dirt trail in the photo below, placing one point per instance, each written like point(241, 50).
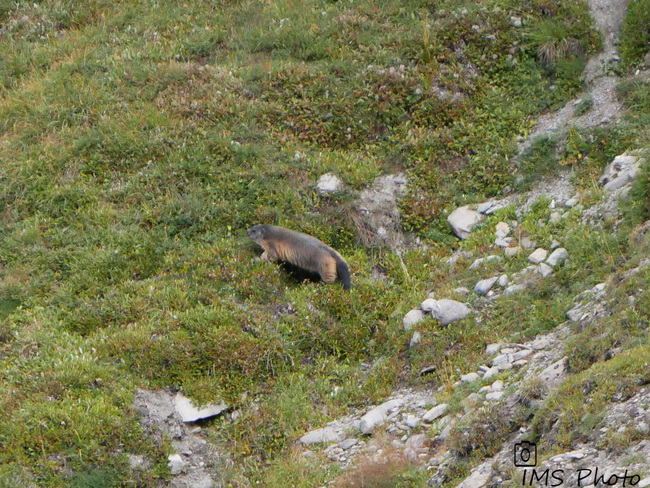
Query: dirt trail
point(609, 16)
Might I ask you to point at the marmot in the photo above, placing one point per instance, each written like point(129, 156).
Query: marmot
point(301, 250)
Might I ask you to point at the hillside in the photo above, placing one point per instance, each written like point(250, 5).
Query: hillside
point(140, 140)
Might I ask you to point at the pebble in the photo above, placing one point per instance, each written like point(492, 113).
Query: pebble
point(538, 255)
point(412, 318)
point(483, 286)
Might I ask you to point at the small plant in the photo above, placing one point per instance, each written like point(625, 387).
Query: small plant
point(585, 105)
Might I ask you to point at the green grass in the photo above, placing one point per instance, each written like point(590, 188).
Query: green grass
point(138, 142)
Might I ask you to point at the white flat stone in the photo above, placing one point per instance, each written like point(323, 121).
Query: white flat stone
point(462, 221)
point(189, 413)
point(435, 412)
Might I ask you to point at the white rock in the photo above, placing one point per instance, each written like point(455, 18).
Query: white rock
point(328, 183)
point(428, 305)
point(462, 220)
point(503, 242)
point(479, 477)
point(526, 242)
point(412, 318)
point(571, 202)
point(513, 289)
point(415, 339)
point(175, 463)
point(503, 280)
point(502, 230)
point(494, 396)
point(512, 251)
point(545, 270)
point(461, 290)
point(326, 434)
point(524, 353)
point(480, 261)
point(377, 415)
point(501, 359)
point(497, 385)
point(554, 374)
point(493, 348)
point(469, 377)
point(412, 421)
point(189, 413)
point(483, 286)
point(515, 21)
point(491, 372)
point(538, 256)
point(448, 311)
point(435, 412)
point(558, 256)
point(555, 217)
point(348, 443)
point(619, 172)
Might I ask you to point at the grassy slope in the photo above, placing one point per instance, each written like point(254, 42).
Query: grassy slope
point(138, 140)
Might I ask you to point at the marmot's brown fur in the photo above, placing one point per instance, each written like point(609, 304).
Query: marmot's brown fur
point(301, 250)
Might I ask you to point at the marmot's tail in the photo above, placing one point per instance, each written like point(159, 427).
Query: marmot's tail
point(343, 272)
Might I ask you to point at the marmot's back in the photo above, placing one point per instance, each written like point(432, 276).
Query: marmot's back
point(301, 250)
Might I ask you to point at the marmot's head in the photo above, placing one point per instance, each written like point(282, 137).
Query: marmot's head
point(256, 232)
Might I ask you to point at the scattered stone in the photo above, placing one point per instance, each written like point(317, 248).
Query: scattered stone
point(555, 217)
point(501, 359)
point(503, 242)
point(558, 256)
point(619, 172)
point(503, 280)
point(554, 245)
point(462, 221)
point(478, 262)
point(513, 289)
point(328, 183)
point(453, 259)
point(448, 311)
point(524, 353)
point(493, 348)
point(493, 371)
point(415, 340)
point(461, 290)
point(515, 21)
point(412, 421)
point(377, 415)
point(318, 436)
point(554, 374)
point(545, 270)
point(538, 256)
point(512, 251)
point(571, 202)
point(497, 385)
point(175, 464)
point(189, 413)
point(412, 318)
point(483, 286)
point(526, 242)
point(469, 377)
point(348, 443)
point(435, 412)
point(494, 396)
point(502, 230)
